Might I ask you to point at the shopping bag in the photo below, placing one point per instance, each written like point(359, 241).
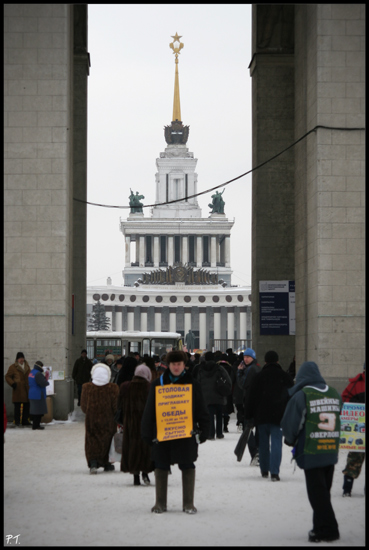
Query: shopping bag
point(114, 454)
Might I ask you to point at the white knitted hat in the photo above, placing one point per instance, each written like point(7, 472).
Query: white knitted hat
point(100, 374)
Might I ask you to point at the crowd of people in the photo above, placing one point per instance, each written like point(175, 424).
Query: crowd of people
point(269, 402)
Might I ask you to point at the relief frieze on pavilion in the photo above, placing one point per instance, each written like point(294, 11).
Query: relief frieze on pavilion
point(180, 274)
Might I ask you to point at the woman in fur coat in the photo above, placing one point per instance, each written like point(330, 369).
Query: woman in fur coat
point(136, 453)
point(99, 403)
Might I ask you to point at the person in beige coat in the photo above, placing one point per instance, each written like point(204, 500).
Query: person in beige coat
point(17, 378)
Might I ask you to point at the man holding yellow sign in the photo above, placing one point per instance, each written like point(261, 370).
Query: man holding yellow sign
point(175, 420)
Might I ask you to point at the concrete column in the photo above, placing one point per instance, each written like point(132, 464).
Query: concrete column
point(202, 327)
point(213, 251)
point(118, 318)
point(109, 315)
point(128, 251)
point(199, 252)
point(172, 319)
point(142, 251)
point(156, 251)
point(158, 319)
point(217, 324)
point(230, 326)
point(143, 319)
point(243, 323)
point(228, 251)
point(170, 250)
point(185, 249)
point(187, 319)
point(130, 318)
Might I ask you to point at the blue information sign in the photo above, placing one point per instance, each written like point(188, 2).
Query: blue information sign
point(277, 307)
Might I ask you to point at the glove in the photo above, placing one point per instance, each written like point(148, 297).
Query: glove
point(293, 452)
point(14, 385)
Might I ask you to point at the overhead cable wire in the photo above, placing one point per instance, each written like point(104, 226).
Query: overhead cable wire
point(227, 182)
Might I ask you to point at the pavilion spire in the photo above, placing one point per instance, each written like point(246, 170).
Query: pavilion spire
point(176, 100)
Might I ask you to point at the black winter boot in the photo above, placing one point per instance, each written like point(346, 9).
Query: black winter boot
point(161, 490)
point(347, 486)
point(136, 479)
point(188, 490)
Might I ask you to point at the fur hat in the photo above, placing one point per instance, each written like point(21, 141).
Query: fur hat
point(100, 374)
point(250, 353)
point(271, 357)
point(143, 372)
point(19, 356)
point(109, 356)
point(176, 357)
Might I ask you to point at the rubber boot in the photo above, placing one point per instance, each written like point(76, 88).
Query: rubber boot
point(161, 490)
point(188, 490)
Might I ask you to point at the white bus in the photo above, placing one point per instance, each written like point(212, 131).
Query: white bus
point(122, 343)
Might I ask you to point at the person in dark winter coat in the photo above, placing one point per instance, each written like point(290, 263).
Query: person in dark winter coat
point(136, 453)
point(181, 451)
point(99, 403)
point(237, 394)
point(246, 371)
point(37, 394)
point(353, 393)
point(126, 373)
point(228, 408)
point(266, 405)
point(207, 375)
point(82, 372)
point(17, 378)
point(311, 424)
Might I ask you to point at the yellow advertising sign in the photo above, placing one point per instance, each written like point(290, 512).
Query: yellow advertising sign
point(173, 411)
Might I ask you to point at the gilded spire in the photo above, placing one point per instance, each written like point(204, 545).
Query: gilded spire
point(176, 100)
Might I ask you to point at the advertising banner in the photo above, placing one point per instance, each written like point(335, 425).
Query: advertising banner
point(352, 435)
point(173, 411)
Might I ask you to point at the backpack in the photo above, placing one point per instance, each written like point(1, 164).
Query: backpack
point(222, 386)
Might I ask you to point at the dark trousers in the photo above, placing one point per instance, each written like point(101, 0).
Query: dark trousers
point(318, 485)
point(79, 392)
point(217, 411)
point(17, 413)
point(36, 421)
point(240, 414)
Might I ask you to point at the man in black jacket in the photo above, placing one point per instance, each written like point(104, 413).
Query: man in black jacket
point(266, 404)
point(184, 450)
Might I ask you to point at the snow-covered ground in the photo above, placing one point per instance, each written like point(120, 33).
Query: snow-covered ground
point(51, 499)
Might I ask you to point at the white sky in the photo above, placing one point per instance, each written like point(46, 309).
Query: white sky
point(130, 100)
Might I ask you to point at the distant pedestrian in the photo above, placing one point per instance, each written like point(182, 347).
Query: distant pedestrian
point(312, 416)
point(246, 371)
point(17, 378)
point(99, 403)
point(237, 394)
point(37, 394)
point(127, 370)
point(265, 408)
point(207, 375)
point(292, 368)
point(81, 372)
point(136, 453)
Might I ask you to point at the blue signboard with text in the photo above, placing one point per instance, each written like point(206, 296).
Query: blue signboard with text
point(277, 308)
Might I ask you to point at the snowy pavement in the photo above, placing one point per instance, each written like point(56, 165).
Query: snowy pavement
point(51, 499)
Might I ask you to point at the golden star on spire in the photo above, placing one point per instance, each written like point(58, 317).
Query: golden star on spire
point(176, 37)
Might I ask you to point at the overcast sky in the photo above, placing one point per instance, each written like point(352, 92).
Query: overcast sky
point(130, 100)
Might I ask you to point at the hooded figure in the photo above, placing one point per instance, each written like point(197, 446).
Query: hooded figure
point(311, 423)
point(99, 402)
point(136, 453)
